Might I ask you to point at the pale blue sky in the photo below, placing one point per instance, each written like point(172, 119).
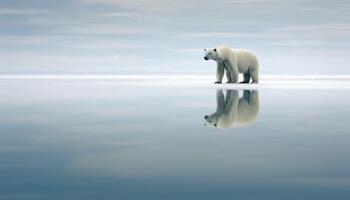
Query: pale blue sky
point(164, 36)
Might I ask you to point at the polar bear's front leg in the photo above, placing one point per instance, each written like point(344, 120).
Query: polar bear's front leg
point(255, 75)
point(219, 72)
point(232, 71)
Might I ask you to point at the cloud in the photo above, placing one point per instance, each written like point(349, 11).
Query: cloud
point(221, 35)
point(323, 34)
point(9, 11)
point(51, 62)
point(325, 30)
point(169, 7)
point(170, 3)
point(299, 43)
point(189, 51)
point(104, 29)
point(102, 45)
point(76, 32)
point(247, 2)
point(117, 14)
point(26, 40)
point(88, 42)
point(146, 5)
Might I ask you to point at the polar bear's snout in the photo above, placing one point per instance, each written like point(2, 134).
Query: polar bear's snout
point(206, 58)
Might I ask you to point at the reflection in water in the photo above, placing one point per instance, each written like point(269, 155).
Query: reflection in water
point(88, 139)
point(233, 110)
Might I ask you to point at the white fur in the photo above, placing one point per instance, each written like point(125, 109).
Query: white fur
point(232, 110)
point(234, 61)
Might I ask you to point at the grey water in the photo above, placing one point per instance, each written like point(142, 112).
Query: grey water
point(104, 140)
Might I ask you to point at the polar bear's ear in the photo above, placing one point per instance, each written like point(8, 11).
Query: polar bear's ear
point(205, 49)
point(214, 49)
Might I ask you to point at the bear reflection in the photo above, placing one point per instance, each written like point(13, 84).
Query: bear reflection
point(234, 110)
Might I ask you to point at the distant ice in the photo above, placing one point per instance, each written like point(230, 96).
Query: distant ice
point(337, 82)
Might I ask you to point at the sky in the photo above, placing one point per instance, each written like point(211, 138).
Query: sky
point(168, 37)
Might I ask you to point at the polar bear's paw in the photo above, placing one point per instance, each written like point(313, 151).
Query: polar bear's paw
point(217, 82)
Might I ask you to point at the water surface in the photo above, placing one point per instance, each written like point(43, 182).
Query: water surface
point(89, 139)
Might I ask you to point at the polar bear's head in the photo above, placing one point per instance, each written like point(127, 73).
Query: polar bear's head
point(211, 120)
point(211, 54)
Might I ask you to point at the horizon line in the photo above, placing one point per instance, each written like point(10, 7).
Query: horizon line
point(99, 76)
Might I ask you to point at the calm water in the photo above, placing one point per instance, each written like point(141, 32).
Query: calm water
point(104, 140)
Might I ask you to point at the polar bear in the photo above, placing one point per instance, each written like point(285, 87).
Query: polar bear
point(233, 110)
point(235, 61)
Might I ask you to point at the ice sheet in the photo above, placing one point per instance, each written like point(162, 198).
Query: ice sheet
point(339, 82)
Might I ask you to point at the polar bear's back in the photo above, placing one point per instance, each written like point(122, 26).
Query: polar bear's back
point(245, 59)
point(244, 54)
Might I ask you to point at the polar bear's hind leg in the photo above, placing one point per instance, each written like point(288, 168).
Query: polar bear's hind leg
point(228, 76)
point(255, 75)
point(246, 77)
